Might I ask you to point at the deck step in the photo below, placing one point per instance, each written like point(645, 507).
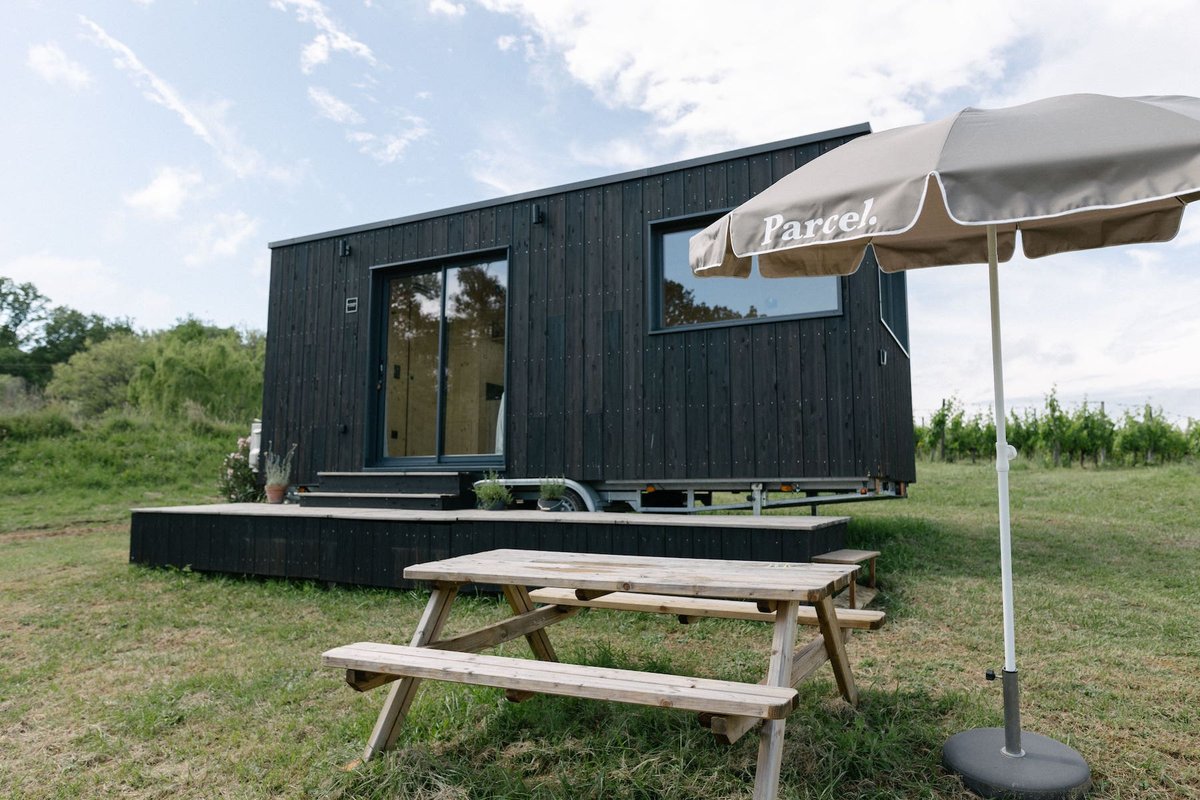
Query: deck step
point(395, 482)
point(572, 680)
point(418, 501)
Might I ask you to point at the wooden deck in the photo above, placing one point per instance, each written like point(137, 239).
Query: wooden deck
point(372, 547)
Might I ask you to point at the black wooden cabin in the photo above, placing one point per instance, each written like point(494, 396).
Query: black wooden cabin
point(558, 333)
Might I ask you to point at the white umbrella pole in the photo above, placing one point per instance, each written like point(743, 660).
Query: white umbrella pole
point(1012, 714)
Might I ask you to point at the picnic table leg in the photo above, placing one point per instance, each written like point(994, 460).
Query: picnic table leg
point(835, 646)
point(521, 603)
point(400, 698)
point(770, 743)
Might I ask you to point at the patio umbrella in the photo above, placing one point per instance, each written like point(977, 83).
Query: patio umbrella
point(1071, 173)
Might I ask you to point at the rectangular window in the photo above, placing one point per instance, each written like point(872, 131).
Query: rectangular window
point(683, 300)
point(893, 305)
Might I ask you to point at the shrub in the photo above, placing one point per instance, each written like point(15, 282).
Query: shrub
point(46, 424)
point(221, 369)
point(238, 482)
point(96, 380)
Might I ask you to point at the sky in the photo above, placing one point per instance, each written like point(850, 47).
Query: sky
point(152, 148)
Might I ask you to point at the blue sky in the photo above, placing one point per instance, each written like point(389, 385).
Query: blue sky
point(152, 149)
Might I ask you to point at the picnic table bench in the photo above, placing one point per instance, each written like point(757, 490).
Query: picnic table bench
point(740, 589)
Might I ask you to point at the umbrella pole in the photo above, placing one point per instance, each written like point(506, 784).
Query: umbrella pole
point(1012, 709)
point(993, 762)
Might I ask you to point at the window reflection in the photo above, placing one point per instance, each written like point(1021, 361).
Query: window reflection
point(688, 300)
point(468, 381)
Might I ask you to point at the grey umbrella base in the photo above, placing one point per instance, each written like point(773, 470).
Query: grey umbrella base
point(1049, 770)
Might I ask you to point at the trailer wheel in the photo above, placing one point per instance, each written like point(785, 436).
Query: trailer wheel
point(571, 501)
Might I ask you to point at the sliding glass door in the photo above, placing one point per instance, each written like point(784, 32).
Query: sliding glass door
point(443, 363)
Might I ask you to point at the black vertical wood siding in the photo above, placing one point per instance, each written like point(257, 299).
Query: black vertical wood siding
point(593, 394)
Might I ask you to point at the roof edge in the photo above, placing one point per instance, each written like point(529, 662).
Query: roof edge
point(849, 130)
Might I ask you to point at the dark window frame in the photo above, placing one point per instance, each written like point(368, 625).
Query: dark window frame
point(654, 230)
point(381, 275)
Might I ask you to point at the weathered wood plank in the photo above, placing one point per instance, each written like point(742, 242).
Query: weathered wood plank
point(752, 580)
point(860, 619)
point(572, 680)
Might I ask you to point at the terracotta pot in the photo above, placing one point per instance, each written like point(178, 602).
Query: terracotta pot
point(275, 493)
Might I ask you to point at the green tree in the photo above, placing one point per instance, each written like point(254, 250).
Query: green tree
point(22, 309)
point(936, 433)
point(65, 332)
point(1151, 438)
point(1055, 427)
point(97, 378)
point(1192, 435)
point(1090, 433)
point(219, 369)
point(1023, 432)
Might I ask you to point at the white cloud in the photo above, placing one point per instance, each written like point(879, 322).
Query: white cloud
point(1124, 49)
point(165, 195)
point(154, 88)
point(330, 37)
point(708, 79)
point(222, 238)
point(209, 121)
point(91, 286)
point(715, 79)
point(617, 154)
point(52, 64)
point(505, 166)
point(331, 107)
point(447, 8)
point(390, 147)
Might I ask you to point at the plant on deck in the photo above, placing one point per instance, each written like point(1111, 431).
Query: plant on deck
point(490, 492)
point(278, 468)
point(552, 488)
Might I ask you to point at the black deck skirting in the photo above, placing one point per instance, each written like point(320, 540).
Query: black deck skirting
point(375, 551)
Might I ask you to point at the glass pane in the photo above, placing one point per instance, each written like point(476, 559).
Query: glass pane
point(688, 300)
point(414, 309)
point(476, 299)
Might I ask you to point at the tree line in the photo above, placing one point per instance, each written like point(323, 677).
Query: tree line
point(90, 365)
point(1059, 436)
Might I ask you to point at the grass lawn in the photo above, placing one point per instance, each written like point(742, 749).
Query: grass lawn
point(123, 681)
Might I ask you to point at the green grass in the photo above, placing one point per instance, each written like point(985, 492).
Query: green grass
point(57, 474)
point(123, 681)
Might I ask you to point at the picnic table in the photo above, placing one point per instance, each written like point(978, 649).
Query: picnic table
point(788, 593)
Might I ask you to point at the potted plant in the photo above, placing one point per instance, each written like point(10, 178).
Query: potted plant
point(550, 493)
point(491, 494)
point(277, 469)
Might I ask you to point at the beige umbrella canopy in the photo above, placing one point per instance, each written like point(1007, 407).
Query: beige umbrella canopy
point(1071, 173)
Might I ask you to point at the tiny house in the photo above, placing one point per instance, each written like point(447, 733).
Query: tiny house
point(560, 333)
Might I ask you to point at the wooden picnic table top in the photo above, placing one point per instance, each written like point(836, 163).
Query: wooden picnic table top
point(690, 577)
